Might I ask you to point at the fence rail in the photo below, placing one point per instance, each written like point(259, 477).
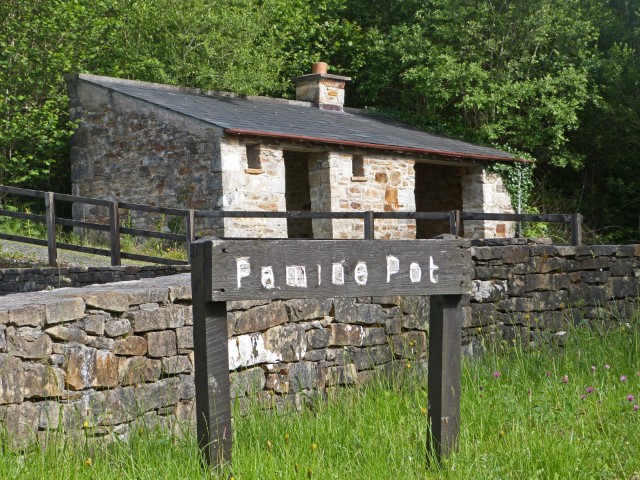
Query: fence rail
point(454, 217)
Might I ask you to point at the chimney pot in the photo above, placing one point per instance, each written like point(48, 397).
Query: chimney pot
point(319, 67)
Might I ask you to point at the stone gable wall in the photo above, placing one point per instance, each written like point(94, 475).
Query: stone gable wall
point(114, 355)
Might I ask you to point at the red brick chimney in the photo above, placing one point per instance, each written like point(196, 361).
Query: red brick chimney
point(324, 90)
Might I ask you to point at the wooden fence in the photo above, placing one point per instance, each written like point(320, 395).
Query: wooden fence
point(115, 229)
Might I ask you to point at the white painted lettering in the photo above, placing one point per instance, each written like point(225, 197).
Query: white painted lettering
point(432, 268)
point(393, 266)
point(297, 276)
point(337, 274)
point(415, 273)
point(361, 274)
point(267, 278)
point(243, 269)
point(319, 275)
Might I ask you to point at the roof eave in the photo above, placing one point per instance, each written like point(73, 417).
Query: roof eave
point(374, 146)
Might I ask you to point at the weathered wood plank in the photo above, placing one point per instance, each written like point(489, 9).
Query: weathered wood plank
point(213, 397)
point(282, 269)
point(445, 338)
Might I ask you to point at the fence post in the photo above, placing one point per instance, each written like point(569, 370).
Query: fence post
point(50, 216)
point(454, 222)
point(369, 230)
point(114, 233)
point(576, 229)
point(191, 233)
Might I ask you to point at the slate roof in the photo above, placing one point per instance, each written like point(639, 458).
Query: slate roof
point(259, 116)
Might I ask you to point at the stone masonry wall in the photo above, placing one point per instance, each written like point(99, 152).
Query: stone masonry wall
point(130, 151)
point(114, 355)
point(14, 280)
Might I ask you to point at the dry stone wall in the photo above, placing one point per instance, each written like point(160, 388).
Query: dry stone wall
point(96, 360)
point(14, 280)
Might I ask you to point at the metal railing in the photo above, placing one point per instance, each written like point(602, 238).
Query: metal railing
point(114, 228)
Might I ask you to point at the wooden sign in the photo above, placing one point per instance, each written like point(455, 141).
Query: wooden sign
point(285, 269)
point(224, 270)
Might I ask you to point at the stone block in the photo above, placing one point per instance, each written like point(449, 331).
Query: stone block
point(368, 358)
point(162, 344)
point(87, 367)
point(488, 291)
point(622, 287)
point(176, 365)
point(549, 300)
point(109, 301)
point(345, 334)
point(4, 316)
point(307, 309)
point(485, 253)
point(584, 294)
point(94, 324)
point(182, 292)
point(171, 316)
point(481, 314)
point(374, 336)
point(540, 282)
point(342, 375)
point(130, 346)
point(394, 325)
point(148, 295)
point(42, 381)
point(619, 269)
point(3, 338)
point(12, 379)
point(116, 327)
point(548, 264)
point(411, 345)
point(67, 334)
point(319, 338)
point(135, 370)
point(287, 339)
point(64, 310)
point(416, 305)
point(595, 263)
point(116, 406)
point(246, 382)
point(258, 319)
point(28, 316)
point(515, 254)
point(185, 337)
point(163, 393)
point(28, 343)
point(277, 382)
point(21, 424)
point(101, 343)
point(50, 415)
point(306, 376)
point(594, 276)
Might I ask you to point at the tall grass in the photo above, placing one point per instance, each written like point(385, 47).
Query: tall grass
point(553, 413)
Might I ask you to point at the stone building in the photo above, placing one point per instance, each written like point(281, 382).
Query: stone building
point(172, 146)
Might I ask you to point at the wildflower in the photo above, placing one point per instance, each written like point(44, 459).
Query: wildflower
point(607, 367)
point(424, 410)
point(85, 424)
point(590, 389)
point(88, 462)
point(631, 398)
point(496, 374)
point(502, 433)
point(583, 396)
point(314, 446)
point(547, 373)
point(408, 365)
point(636, 408)
point(286, 437)
point(565, 379)
point(593, 369)
point(269, 445)
point(623, 378)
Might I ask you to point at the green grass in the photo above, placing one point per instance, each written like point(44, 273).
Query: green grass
point(525, 423)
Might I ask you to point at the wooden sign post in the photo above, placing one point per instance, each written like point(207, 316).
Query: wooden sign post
point(224, 270)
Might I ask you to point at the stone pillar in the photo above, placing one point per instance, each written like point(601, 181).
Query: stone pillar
point(484, 192)
point(260, 186)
